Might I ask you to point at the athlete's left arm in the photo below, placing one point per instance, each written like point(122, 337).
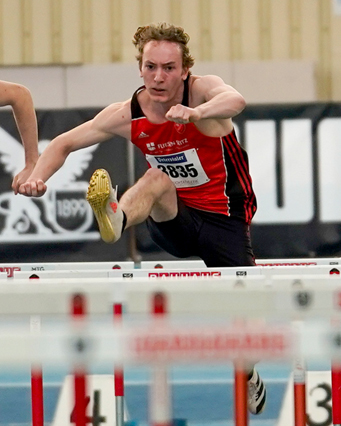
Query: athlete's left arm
point(212, 98)
point(219, 100)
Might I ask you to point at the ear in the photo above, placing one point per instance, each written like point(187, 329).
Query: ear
point(185, 73)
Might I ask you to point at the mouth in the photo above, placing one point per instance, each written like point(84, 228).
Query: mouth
point(156, 90)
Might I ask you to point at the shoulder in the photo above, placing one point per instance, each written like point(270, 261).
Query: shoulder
point(115, 118)
point(206, 82)
point(115, 111)
point(117, 106)
point(207, 86)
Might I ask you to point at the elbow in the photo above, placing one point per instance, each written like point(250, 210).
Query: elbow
point(240, 104)
point(23, 90)
point(21, 100)
point(22, 93)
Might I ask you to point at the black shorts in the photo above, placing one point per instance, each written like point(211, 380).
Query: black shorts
point(217, 239)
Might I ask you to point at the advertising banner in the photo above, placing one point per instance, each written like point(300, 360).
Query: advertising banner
point(295, 163)
point(295, 153)
point(59, 226)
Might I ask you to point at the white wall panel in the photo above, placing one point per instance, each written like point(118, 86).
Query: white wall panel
point(47, 84)
point(12, 32)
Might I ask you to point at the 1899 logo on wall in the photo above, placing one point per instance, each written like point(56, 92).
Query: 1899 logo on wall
point(61, 214)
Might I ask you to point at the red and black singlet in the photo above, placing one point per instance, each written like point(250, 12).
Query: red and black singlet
point(210, 173)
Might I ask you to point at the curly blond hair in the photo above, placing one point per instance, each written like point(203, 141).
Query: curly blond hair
point(160, 32)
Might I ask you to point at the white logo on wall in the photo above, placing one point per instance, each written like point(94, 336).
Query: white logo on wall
point(62, 214)
point(302, 192)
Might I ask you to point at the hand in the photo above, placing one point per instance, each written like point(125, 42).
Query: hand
point(182, 114)
point(21, 178)
point(33, 188)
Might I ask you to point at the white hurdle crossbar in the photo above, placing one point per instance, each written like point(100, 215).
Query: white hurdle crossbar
point(10, 268)
point(106, 271)
point(266, 271)
point(232, 297)
point(189, 264)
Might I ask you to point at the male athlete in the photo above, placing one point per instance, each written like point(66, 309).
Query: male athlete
point(19, 98)
point(197, 195)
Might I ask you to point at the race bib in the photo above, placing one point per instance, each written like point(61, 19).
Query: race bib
point(183, 168)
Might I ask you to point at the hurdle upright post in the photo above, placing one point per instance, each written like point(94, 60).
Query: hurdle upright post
point(78, 310)
point(37, 394)
point(336, 377)
point(336, 392)
point(299, 384)
point(241, 417)
point(119, 374)
point(300, 414)
point(240, 395)
point(160, 406)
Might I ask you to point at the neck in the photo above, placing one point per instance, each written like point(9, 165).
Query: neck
point(156, 111)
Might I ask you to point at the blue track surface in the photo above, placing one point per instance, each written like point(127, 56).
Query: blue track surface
point(202, 395)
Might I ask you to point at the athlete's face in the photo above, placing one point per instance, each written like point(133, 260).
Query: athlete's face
point(162, 70)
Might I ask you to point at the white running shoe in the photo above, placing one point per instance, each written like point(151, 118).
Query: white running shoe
point(256, 394)
point(103, 201)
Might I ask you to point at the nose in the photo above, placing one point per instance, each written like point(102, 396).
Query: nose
point(158, 77)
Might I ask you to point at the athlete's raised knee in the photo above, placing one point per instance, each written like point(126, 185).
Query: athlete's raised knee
point(164, 195)
point(159, 178)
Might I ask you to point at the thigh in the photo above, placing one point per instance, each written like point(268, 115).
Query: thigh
point(226, 245)
point(177, 236)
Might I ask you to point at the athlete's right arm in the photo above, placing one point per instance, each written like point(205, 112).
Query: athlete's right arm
point(113, 120)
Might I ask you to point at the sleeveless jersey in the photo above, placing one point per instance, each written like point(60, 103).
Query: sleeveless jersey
point(209, 173)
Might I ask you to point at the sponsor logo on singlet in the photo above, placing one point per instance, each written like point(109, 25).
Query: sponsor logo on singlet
point(176, 158)
point(151, 146)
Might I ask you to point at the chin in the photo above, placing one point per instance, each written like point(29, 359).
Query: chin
point(159, 98)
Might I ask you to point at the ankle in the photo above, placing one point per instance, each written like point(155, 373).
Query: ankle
point(124, 223)
point(249, 374)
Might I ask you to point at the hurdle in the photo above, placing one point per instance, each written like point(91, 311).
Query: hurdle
point(10, 268)
point(268, 271)
point(241, 272)
point(34, 312)
point(96, 274)
point(293, 281)
point(224, 297)
point(189, 264)
point(298, 271)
